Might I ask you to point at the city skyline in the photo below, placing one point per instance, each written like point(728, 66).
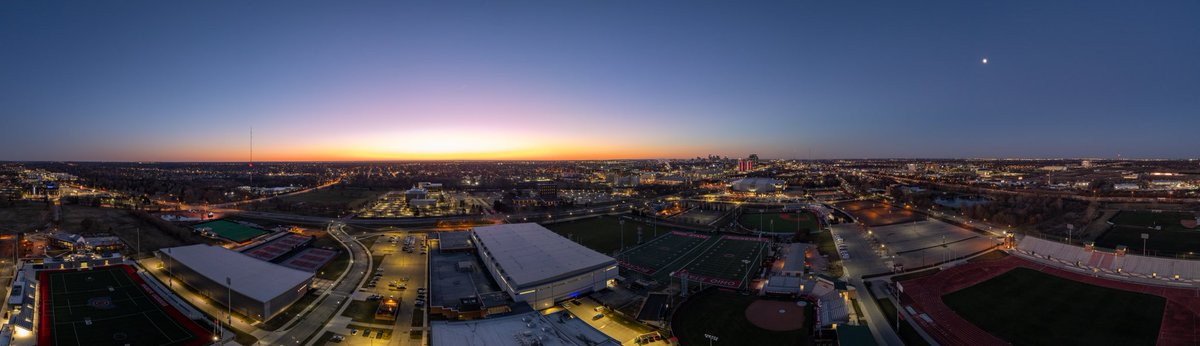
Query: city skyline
point(147, 81)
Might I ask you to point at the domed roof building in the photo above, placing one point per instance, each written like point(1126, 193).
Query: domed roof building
point(758, 185)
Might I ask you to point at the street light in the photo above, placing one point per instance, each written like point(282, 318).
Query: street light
point(711, 338)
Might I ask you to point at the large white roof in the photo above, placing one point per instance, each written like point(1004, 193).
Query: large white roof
point(531, 255)
point(251, 277)
point(755, 184)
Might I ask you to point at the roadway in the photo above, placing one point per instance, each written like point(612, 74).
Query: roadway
point(314, 321)
point(515, 217)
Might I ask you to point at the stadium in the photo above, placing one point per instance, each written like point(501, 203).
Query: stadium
point(1078, 295)
point(536, 266)
point(254, 288)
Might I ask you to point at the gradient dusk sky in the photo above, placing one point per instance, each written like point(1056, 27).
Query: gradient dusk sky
point(364, 80)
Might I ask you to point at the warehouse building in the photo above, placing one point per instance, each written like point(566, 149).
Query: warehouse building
point(537, 266)
point(260, 289)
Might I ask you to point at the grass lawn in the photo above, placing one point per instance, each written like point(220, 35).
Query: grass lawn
point(906, 332)
point(331, 201)
point(603, 233)
point(375, 261)
point(916, 274)
point(353, 198)
point(781, 222)
point(363, 311)
point(826, 246)
point(1028, 307)
point(418, 317)
point(286, 315)
point(325, 339)
point(723, 314)
point(989, 256)
point(24, 216)
point(1128, 227)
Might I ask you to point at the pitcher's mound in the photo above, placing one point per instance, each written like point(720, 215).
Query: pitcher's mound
point(779, 316)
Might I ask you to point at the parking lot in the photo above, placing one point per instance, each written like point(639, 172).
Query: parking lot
point(400, 276)
point(909, 245)
point(863, 258)
point(615, 326)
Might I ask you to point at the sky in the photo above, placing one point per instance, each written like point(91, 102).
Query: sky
point(420, 80)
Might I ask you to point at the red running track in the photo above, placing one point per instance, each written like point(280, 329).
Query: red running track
point(1180, 323)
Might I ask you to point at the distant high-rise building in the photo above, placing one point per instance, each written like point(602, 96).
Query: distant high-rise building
point(745, 165)
point(547, 190)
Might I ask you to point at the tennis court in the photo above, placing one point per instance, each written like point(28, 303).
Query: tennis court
point(109, 306)
point(278, 247)
point(310, 259)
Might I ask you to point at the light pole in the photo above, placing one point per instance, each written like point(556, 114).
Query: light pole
point(711, 338)
point(622, 222)
point(229, 301)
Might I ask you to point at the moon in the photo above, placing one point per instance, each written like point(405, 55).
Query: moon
point(984, 61)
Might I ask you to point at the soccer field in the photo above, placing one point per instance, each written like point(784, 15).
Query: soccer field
point(109, 306)
point(1027, 307)
point(727, 263)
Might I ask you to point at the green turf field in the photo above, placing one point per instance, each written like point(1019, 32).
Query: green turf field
point(665, 253)
point(603, 233)
point(729, 260)
point(777, 222)
point(1128, 227)
point(233, 231)
point(723, 314)
point(106, 306)
point(1028, 307)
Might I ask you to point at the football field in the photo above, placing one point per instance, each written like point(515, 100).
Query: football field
point(110, 306)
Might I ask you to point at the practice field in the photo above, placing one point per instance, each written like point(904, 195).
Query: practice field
point(783, 223)
point(110, 306)
point(1174, 238)
point(727, 263)
point(658, 253)
point(1028, 307)
point(233, 231)
point(725, 315)
point(873, 213)
point(603, 233)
